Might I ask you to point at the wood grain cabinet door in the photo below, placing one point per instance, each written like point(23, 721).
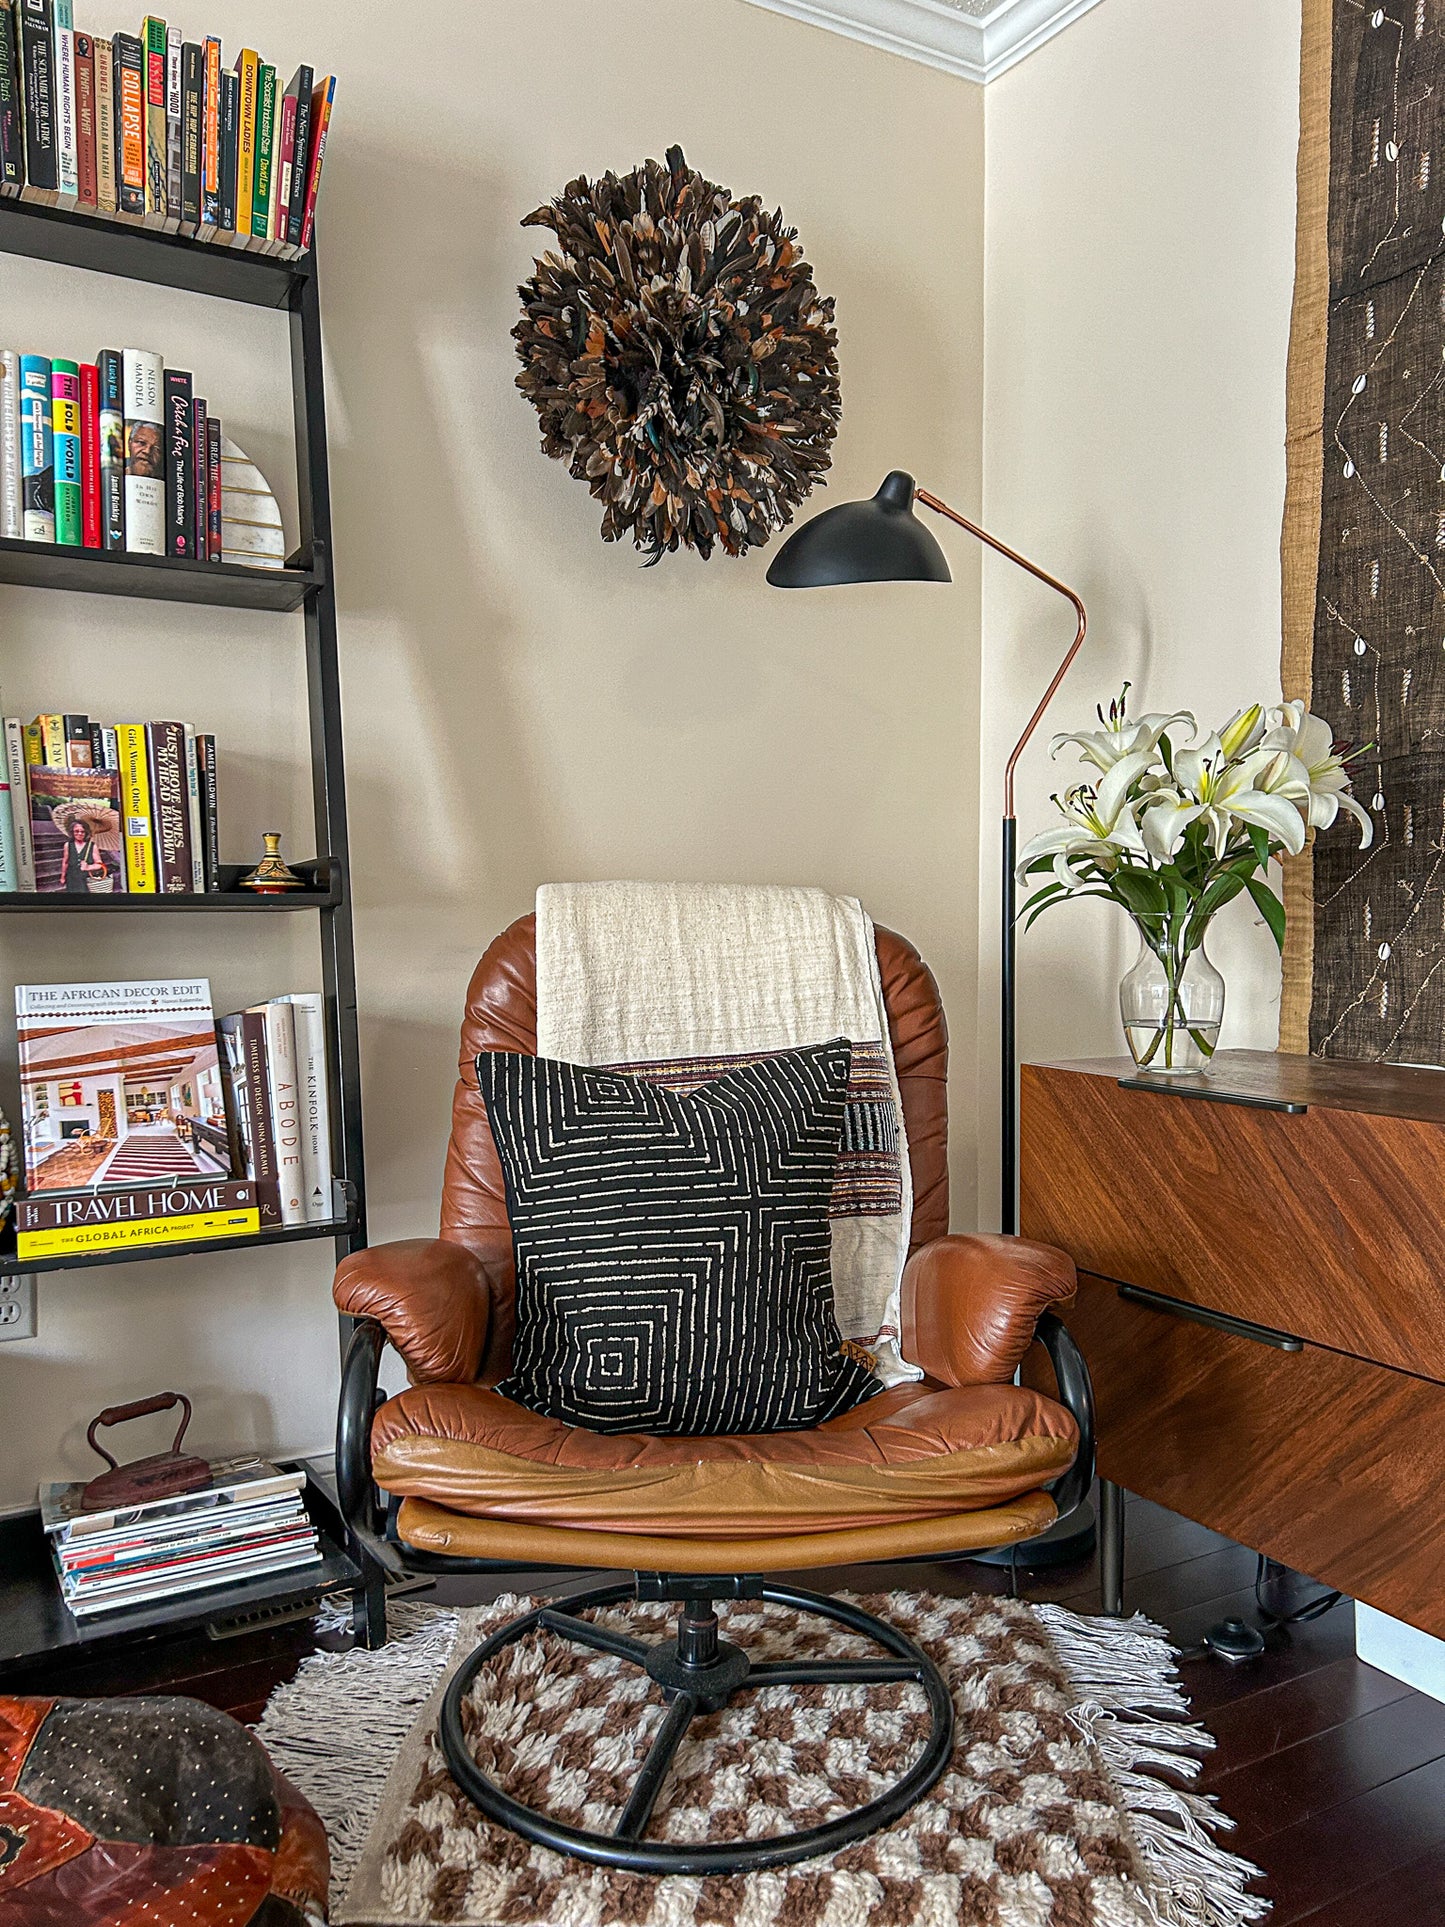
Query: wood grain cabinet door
point(1329, 1224)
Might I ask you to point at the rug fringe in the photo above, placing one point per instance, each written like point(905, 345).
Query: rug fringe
point(335, 1730)
point(1124, 1673)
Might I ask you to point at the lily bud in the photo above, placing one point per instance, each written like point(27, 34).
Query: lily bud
point(1242, 731)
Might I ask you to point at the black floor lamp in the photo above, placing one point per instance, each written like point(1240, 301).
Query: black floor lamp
point(882, 540)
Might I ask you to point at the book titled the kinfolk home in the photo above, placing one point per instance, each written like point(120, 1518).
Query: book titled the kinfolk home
point(120, 1084)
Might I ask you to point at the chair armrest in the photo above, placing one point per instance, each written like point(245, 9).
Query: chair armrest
point(970, 1305)
point(433, 1300)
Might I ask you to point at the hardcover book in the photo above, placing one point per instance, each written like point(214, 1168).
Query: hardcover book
point(90, 526)
point(10, 522)
point(37, 67)
point(67, 169)
point(105, 126)
point(253, 1148)
point(85, 120)
point(211, 138)
point(170, 808)
point(65, 446)
point(112, 448)
point(75, 831)
point(154, 32)
point(193, 112)
point(37, 462)
point(120, 1084)
point(309, 1014)
point(145, 462)
point(128, 58)
point(300, 91)
point(180, 466)
point(12, 105)
point(230, 113)
point(19, 790)
point(173, 127)
point(56, 1223)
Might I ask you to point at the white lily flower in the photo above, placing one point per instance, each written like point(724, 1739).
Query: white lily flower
point(1243, 731)
point(1222, 794)
point(1121, 736)
point(1322, 785)
point(1098, 826)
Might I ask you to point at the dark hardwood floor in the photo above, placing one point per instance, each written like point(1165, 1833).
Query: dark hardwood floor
point(1333, 1772)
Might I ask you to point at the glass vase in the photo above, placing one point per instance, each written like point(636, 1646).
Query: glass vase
point(1172, 1004)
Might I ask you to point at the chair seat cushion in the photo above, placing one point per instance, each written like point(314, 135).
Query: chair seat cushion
point(916, 1451)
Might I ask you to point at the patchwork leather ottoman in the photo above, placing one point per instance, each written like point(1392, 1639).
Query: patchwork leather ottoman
point(132, 1811)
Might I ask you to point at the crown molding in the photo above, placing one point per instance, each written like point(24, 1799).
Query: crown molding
point(976, 46)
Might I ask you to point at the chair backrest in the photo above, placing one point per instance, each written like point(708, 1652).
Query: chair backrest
point(501, 1014)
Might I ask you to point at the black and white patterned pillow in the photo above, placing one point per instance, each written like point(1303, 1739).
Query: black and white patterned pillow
point(673, 1264)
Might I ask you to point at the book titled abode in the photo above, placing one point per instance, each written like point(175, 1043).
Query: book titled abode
point(120, 1084)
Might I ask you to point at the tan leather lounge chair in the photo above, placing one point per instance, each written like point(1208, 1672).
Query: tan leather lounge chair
point(469, 1481)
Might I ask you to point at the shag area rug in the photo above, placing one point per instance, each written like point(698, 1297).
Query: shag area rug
point(1065, 1803)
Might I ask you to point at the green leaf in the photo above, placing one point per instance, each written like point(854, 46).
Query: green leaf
point(1140, 892)
point(1260, 840)
point(1269, 907)
point(1224, 889)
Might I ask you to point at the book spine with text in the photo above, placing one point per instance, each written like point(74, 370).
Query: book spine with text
point(145, 467)
point(109, 749)
point(154, 35)
point(97, 747)
point(168, 807)
point(281, 167)
point(37, 461)
point(248, 80)
point(52, 741)
point(285, 1108)
point(194, 834)
point(130, 123)
point(180, 467)
point(210, 815)
point(173, 127)
point(309, 1016)
point(66, 159)
point(90, 529)
point(85, 159)
point(265, 142)
point(198, 478)
point(193, 110)
point(321, 101)
point(16, 770)
point(230, 107)
point(112, 449)
point(65, 445)
point(78, 751)
point(12, 105)
point(243, 1042)
point(104, 127)
point(135, 796)
point(210, 135)
point(213, 488)
point(10, 519)
point(10, 808)
point(37, 69)
point(302, 82)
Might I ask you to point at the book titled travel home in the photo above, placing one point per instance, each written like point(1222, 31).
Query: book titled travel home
point(145, 461)
point(75, 831)
point(56, 1223)
point(120, 1084)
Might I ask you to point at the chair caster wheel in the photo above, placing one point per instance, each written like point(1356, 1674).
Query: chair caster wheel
point(1235, 1640)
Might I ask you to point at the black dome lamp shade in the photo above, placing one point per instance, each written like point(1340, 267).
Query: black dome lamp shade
point(880, 540)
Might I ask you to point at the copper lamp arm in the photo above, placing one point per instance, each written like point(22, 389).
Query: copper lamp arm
point(1062, 588)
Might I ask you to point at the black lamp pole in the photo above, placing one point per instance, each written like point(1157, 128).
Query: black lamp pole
point(883, 541)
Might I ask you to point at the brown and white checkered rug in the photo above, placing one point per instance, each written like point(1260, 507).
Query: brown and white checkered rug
point(1052, 1812)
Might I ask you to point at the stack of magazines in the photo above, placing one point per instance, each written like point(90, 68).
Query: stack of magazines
point(247, 1524)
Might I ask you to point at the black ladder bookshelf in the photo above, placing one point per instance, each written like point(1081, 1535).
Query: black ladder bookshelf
point(305, 584)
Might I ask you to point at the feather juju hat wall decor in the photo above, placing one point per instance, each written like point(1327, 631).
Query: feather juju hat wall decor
point(680, 357)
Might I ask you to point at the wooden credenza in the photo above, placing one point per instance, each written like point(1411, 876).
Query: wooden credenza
point(1262, 1301)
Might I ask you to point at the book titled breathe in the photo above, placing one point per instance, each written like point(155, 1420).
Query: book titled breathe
point(120, 1085)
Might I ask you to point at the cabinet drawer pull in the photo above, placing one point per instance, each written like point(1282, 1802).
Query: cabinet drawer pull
point(1157, 1087)
point(1217, 1320)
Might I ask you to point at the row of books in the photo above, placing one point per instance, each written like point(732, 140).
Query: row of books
point(248, 1523)
point(108, 809)
point(117, 453)
point(147, 1122)
point(152, 127)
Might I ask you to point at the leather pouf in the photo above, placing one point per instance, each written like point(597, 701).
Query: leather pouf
point(149, 1810)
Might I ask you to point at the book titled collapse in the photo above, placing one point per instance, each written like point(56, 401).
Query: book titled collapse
point(70, 1211)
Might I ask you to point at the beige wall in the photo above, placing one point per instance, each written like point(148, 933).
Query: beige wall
point(522, 703)
point(1140, 240)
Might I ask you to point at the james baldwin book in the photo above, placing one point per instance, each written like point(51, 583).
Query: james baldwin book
point(120, 1084)
point(180, 466)
point(65, 1221)
point(145, 461)
point(210, 821)
point(169, 807)
point(75, 831)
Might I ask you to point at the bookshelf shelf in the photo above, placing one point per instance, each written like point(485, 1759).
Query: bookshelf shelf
point(140, 253)
point(177, 261)
point(158, 578)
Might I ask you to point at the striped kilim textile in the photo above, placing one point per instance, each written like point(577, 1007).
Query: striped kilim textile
point(673, 1247)
point(680, 982)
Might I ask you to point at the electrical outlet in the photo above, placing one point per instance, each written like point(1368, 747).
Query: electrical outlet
point(17, 1307)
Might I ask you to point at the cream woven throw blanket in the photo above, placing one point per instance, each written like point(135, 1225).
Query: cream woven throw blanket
point(680, 982)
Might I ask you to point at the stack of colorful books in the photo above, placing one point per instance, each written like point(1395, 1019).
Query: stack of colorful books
point(107, 809)
point(119, 454)
point(249, 1523)
point(151, 128)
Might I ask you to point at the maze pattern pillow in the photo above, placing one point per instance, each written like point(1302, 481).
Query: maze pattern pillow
point(673, 1266)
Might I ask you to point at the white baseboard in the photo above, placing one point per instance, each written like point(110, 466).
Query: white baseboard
point(1402, 1651)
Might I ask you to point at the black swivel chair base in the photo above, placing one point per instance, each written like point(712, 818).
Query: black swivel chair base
point(700, 1673)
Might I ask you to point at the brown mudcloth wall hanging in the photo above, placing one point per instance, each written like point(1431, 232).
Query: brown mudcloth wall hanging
point(1364, 533)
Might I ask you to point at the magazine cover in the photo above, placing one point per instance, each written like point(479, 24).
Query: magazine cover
point(76, 827)
point(120, 1084)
